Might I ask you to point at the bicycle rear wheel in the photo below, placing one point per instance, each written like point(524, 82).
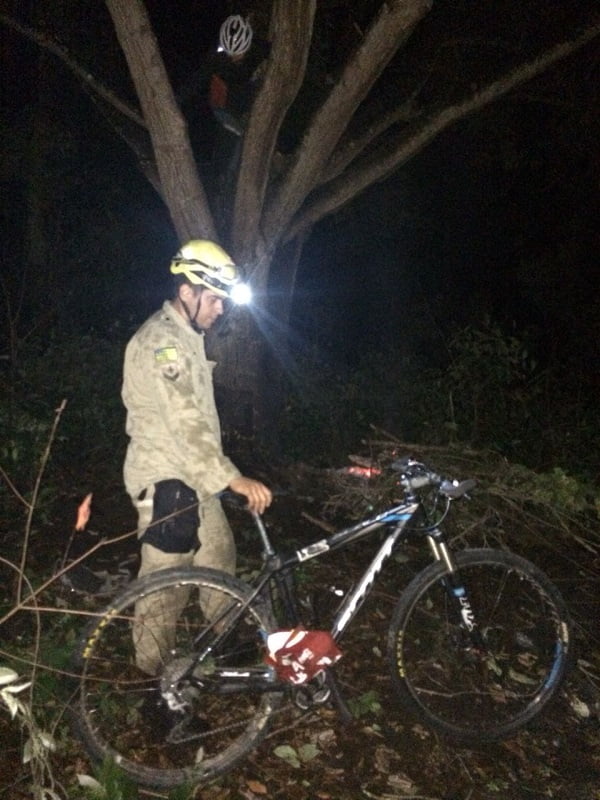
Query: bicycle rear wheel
point(476, 694)
point(121, 711)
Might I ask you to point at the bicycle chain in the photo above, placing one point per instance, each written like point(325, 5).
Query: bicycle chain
point(232, 726)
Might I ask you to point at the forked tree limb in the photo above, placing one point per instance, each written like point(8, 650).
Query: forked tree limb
point(382, 162)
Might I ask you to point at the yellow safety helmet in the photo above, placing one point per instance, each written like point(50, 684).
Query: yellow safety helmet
point(204, 263)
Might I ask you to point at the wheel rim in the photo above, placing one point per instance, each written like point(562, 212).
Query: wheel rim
point(123, 715)
point(476, 695)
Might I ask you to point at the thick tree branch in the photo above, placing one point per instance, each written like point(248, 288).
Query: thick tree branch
point(127, 122)
point(393, 25)
point(292, 31)
point(382, 162)
point(90, 83)
point(181, 187)
point(351, 147)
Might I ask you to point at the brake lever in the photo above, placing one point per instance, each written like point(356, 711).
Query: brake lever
point(453, 489)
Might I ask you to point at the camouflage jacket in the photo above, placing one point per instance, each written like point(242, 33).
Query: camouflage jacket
point(172, 420)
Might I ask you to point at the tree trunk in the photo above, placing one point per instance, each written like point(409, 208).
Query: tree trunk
point(182, 190)
point(292, 30)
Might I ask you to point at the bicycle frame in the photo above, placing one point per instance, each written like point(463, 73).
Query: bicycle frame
point(397, 518)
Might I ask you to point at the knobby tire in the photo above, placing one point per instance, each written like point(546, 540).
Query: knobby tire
point(120, 713)
point(480, 694)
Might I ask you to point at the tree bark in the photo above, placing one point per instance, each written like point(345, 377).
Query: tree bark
point(182, 190)
point(292, 30)
point(393, 25)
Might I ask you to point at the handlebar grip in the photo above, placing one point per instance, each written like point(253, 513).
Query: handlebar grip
point(234, 499)
point(419, 481)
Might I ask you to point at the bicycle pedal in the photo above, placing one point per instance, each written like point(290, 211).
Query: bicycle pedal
point(322, 696)
point(307, 696)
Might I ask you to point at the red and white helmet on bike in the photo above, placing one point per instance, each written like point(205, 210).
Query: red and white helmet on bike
point(235, 36)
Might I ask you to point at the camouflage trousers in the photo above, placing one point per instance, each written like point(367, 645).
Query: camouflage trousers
point(154, 627)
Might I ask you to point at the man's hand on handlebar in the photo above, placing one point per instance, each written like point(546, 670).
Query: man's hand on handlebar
point(256, 493)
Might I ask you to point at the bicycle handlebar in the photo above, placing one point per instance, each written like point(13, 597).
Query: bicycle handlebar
point(415, 475)
point(234, 499)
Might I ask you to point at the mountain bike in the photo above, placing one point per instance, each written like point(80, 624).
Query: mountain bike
point(478, 644)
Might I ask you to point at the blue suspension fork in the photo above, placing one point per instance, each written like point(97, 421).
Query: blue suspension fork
point(455, 589)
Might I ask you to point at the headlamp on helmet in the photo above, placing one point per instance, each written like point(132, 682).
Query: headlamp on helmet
point(204, 263)
point(241, 294)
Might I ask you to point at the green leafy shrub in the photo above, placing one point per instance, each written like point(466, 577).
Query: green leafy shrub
point(491, 394)
point(86, 372)
point(326, 412)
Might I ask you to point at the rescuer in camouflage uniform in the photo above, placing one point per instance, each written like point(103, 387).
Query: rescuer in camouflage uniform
point(175, 461)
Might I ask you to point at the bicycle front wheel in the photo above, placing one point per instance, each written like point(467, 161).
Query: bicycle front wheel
point(144, 642)
point(472, 690)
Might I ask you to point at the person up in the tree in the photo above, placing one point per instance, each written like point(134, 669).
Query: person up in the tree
point(236, 72)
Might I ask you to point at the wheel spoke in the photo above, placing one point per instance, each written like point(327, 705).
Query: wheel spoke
point(463, 690)
point(178, 723)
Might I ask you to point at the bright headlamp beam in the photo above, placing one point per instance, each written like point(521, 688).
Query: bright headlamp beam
point(241, 294)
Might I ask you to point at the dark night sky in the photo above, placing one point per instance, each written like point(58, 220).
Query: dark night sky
point(473, 226)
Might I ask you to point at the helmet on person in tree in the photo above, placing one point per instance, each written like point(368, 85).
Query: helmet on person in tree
point(204, 263)
point(235, 36)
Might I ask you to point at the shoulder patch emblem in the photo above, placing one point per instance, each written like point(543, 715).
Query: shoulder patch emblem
point(164, 355)
point(168, 361)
